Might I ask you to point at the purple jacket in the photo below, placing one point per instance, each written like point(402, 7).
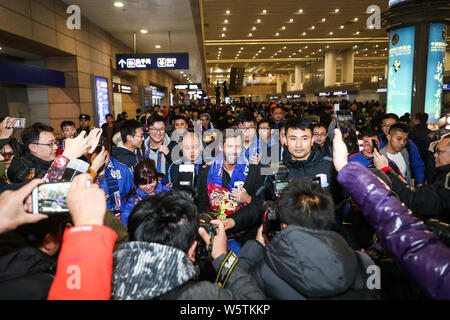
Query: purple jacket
point(417, 250)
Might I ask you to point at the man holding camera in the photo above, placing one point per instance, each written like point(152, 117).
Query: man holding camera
point(159, 261)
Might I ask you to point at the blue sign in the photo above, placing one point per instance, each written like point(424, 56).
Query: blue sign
point(435, 73)
point(446, 87)
point(101, 99)
point(22, 73)
point(393, 2)
point(401, 67)
point(160, 61)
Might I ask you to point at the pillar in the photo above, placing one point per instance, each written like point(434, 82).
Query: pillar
point(330, 68)
point(348, 66)
point(299, 77)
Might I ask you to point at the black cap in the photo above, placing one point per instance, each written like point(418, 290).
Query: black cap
point(85, 117)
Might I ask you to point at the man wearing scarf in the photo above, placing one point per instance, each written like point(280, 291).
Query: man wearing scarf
point(244, 182)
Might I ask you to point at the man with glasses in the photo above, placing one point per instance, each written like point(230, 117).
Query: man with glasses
point(430, 200)
point(156, 145)
point(130, 152)
point(320, 137)
point(41, 150)
point(252, 150)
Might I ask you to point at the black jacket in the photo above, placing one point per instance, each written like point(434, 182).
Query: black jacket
point(26, 273)
point(301, 263)
point(420, 134)
point(127, 157)
point(21, 166)
point(430, 200)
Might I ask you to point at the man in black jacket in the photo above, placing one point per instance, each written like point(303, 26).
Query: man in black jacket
point(306, 260)
point(159, 261)
point(41, 150)
point(130, 152)
point(243, 181)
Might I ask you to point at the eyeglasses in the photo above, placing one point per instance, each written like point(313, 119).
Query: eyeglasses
point(140, 137)
point(7, 155)
point(387, 125)
point(264, 129)
point(53, 143)
point(248, 129)
point(321, 135)
point(438, 151)
point(157, 130)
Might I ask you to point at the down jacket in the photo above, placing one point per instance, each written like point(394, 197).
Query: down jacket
point(421, 253)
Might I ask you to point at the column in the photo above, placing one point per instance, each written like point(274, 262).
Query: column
point(279, 82)
point(348, 63)
point(330, 68)
point(299, 77)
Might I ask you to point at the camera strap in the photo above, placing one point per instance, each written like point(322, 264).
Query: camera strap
point(226, 268)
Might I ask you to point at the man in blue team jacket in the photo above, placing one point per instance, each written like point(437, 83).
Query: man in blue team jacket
point(415, 161)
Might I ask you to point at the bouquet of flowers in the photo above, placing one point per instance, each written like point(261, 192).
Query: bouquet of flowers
point(209, 137)
point(220, 201)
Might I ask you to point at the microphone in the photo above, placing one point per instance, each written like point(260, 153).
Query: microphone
point(74, 168)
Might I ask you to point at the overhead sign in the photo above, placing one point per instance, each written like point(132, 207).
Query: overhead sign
point(121, 88)
point(382, 90)
point(160, 61)
point(446, 87)
point(189, 86)
point(400, 74)
point(435, 73)
point(101, 99)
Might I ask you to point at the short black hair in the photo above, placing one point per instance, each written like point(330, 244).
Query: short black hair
point(306, 204)
point(320, 125)
point(155, 118)
point(367, 132)
point(269, 121)
point(180, 117)
point(138, 110)
point(34, 233)
point(245, 117)
point(169, 218)
point(109, 115)
point(128, 128)
point(422, 117)
point(398, 127)
point(390, 116)
point(299, 123)
point(67, 123)
point(31, 134)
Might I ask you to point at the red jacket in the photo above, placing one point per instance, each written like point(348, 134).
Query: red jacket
point(85, 264)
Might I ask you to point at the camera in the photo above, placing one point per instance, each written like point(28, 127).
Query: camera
point(441, 229)
point(186, 178)
point(202, 253)
point(271, 222)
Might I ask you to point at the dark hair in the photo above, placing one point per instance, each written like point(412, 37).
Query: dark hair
point(398, 127)
point(67, 123)
point(299, 123)
point(306, 204)
point(422, 117)
point(155, 118)
point(32, 133)
point(138, 110)
point(319, 125)
point(180, 117)
point(109, 115)
point(390, 116)
point(169, 218)
point(128, 128)
point(245, 117)
point(269, 121)
point(367, 132)
point(34, 233)
point(144, 173)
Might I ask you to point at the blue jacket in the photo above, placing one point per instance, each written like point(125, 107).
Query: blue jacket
point(124, 177)
point(418, 251)
point(129, 203)
point(415, 161)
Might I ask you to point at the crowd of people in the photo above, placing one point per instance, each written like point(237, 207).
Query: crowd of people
point(140, 186)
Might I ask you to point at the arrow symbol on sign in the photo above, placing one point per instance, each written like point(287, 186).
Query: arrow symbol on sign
point(122, 63)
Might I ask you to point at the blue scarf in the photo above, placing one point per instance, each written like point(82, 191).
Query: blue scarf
point(253, 149)
point(238, 177)
point(111, 177)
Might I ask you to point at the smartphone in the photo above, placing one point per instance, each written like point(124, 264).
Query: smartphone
point(20, 122)
point(346, 123)
point(50, 198)
point(375, 145)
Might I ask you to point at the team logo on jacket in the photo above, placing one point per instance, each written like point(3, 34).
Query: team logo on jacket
point(239, 184)
point(116, 174)
point(323, 180)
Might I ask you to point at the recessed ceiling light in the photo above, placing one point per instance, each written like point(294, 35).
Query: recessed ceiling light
point(144, 31)
point(300, 11)
point(254, 28)
point(263, 48)
point(118, 4)
point(250, 34)
point(258, 21)
point(299, 50)
point(291, 20)
point(277, 34)
point(242, 48)
point(224, 29)
point(342, 27)
point(304, 34)
point(357, 32)
point(279, 50)
point(157, 46)
point(294, 53)
point(220, 49)
point(227, 12)
point(306, 47)
point(225, 21)
point(336, 11)
point(327, 47)
point(331, 33)
point(283, 28)
point(356, 19)
point(223, 35)
point(284, 48)
point(264, 11)
point(324, 19)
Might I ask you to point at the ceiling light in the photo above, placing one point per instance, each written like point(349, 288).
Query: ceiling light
point(324, 19)
point(356, 19)
point(242, 48)
point(225, 21)
point(250, 34)
point(304, 34)
point(299, 50)
point(306, 47)
point(283, 28)
point(227, 12)
point(290, 56)
point(294, 53)
point(313, 27)
point(144, 31)
point(376, 46)
point(254, 28)
point(279, 50)
point(342, 27)
point(118, 4)
point(336, 11)
point(263, 48)
point(264, 11)
point(224, 29)
point(258, 21)
point(331, 33)
point(223, 35)
point(327, 47)
point(157, 46)
point(300, 11)
point(277, 34)
point(357, 32)
point(291, 20)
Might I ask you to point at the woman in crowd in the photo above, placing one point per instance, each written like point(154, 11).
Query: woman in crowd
point(147, 183)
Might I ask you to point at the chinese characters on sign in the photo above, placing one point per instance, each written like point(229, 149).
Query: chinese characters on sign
point(152, 61)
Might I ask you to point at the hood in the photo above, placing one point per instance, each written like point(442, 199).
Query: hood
point(146, 270)
point(316, 155)
point(25, 262)
point(124, 155)
point(316, 263)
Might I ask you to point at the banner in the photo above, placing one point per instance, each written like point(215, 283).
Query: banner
point(401, 68)
point(101, 99)
point(435, 73)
